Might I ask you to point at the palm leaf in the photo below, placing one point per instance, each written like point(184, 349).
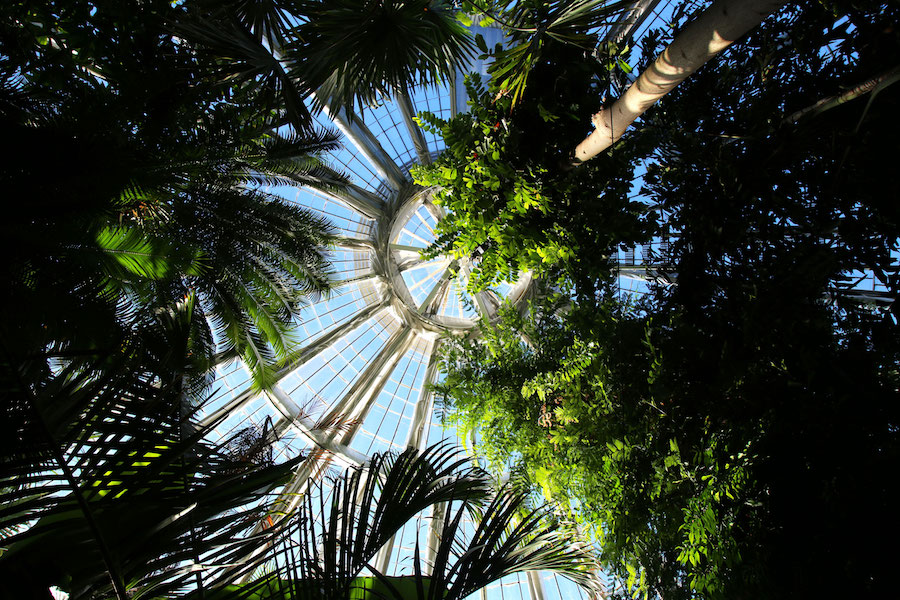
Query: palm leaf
point(351, 52)
point(243, 58)
point(111, 482)
point(264, 256)
point(129, 252)
point(269, 20)
point(505, 542)
point(368, 506)
point(531, 25)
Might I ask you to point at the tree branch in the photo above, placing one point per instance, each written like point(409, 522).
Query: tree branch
point(873, 86)
point(713, 31)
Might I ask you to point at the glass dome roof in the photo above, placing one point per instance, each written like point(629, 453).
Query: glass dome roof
point(360, 385)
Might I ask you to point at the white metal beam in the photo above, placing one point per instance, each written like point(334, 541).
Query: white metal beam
point(356, 402)
point(535, 585)
point(311, 430)
point(405, 248)
point(356, 131)
point(481, 301)
point(648, 273)
point(309, 352)
point(362, 201)
point(354, 243)
point(310, 471)
point(417, 438)
point(415, 132)
point(358, 278)
point(440, 288)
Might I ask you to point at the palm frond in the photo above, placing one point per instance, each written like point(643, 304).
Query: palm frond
point(265, 255)
point(350, 52)
point(269, 20)
point(128, 252)
point(505, 542)
point(113, 480)
point(533, 24)
point(242, 57)
point(368, 506)
point(291, 160)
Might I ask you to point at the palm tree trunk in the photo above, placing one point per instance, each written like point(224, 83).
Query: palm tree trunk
point(713, 31)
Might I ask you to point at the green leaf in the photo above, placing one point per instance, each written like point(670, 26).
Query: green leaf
point(479, 41)
point(130, 251)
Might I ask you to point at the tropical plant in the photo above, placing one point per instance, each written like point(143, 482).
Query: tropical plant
point(263, 256)
point(182, 205)
point(532, 26)
point(722, 438)
point(776, 230)
point(243, 45)
point(332, 556)
point(339, 53)
point(787, 152)
point(576, 414)
point(123, 286)
point(510, 206)
point(692, 451)
point(351, 52)
point(108, 487)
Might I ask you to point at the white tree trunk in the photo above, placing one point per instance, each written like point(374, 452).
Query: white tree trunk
point(714, 30)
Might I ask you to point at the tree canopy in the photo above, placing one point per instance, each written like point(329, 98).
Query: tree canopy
point(510, 204)
point(729, 435)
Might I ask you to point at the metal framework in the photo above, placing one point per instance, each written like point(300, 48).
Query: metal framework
point(361, 384)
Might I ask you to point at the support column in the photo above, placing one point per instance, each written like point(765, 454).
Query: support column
point(415, 132)
point(406, 257)
point(311, 430)
point(311, 469)
point(439, 290)
point(359, 278)
point(356, 402)
point(383, 557)
point(535, 585)
point(419, 419)
point(359, 399)
point(417, 438)
point(362, 201)
point(353, 243)
point(309, 352)
point(484, 308)
point(356, 131)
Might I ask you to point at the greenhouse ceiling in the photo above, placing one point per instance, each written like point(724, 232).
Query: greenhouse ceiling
point(370, 347)
point(181, 365)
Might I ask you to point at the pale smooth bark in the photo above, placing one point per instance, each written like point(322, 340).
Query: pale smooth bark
point(714, 30)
